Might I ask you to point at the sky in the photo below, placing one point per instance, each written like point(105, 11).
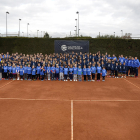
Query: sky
point(57, 17)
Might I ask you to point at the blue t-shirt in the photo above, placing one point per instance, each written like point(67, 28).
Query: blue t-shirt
point(75, 70)
point(79, 71)
point(99, 69)
point(5, 69)
point(57, 70)
point(38, 68)
point(65, 71)
point(93, 69)
point(88, 71)
point(25, 69)
point(61, 69)
point(29, 70)
point(48, 69)
point(84, 71)
point(52, 69)
point(10, 69)
point(14, 70)
point(71, 70)
point(33, 71)
point(104, 72)
point(21, 71)
point(17, 69)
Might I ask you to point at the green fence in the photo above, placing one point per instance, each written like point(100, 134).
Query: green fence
point(46, 46)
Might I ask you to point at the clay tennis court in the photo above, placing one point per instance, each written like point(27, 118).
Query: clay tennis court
point(54, 110)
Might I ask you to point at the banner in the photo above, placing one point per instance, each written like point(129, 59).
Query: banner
point(67, 46)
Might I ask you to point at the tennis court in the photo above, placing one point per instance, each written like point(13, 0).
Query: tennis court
point(35, 110)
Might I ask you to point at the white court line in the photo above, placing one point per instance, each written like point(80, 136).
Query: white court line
point(24, 99)
point(71, 119)
point(6, 84)
point(131, 83)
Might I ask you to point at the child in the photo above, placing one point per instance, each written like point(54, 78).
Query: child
point(14, 72)
point(53, 72)
point(103, 74)
point(79, 73)
point(75, 73)
point(71, 72)
point(42, 73)
point(116, 70)
point(5, 71)
point(48, 71)
point(38, 68)
point(25, 72)
point(61, 77)
point(57, 72)
point(89, 73)
point(17, 71)
point(93, 71)
point(9, 71)
point(99, 69)
point(65, 73)
point(29, 72)
point(21, 72)
point(0, 71)
point(33, 72)
point(84, 72)
point(124, 70)
point(120, 70)
point(136, 66)
point(112, 68)
point(108, 68)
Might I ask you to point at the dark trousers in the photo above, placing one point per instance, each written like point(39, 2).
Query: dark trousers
point(38, 76)
point(29, 76)
point(42, 77)
point(116, 73)
point(33, 77)
point(136, 71)
point(10, 75)
point(57, 76)
point(65, 77)
point(14, 76)
point(88, 77)
point(85, 77)
point(103, 77)
point(53, 75)
point(112, 72)
point(71, 76)
point(98, 76)
point(5, 75)
point(93, 76)
point(21, 76)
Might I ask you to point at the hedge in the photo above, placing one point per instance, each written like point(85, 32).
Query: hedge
point(46, 46)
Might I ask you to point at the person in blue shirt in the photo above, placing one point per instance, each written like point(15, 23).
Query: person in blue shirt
point(136, 66)
point(61, 72)
point(48, 71)
point(0, 71)
point(132, 67)
point(21, 72)
point(53, 72)
point(99, 71)
point(65, 73)
point(89, 73)
point(129, 66)
point(93, 71)
point(120, 69)
point(71, 72)
point(57, 72)
point(42, 73)
point(17, 71)
point(124, 70)
point(108, 68)
point(75, 73)
point(14, 72)
point(85, 72)
point(126, 64)
point(9, 71)
point(116, 70)
point(112, 68)
point(25, 71)
point(38, 68)
point(103, 74)
point(5, 71)
point(29, 72)
point(33, 73)
point(79, 73)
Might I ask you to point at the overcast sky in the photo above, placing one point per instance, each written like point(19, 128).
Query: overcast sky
point(57, 17)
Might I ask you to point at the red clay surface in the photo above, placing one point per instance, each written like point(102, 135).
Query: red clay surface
point(109, 116)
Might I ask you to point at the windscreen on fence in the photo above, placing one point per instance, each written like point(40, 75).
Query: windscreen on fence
point(67, 46)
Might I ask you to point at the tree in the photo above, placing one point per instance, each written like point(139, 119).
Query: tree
point(108, 37)
point(46, 35)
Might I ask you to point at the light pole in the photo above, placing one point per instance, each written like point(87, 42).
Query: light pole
point(27, 29)
point(19, 26)
point(37, 33)
point(6, 22)
point(76, 26)
point(122, 32)
point(23, 33)
point(75, 32)
point(78, 22)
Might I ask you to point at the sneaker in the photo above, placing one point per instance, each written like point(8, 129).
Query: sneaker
point(117, 77)
point(76, 80)
point(122, 76)
point(21, 79)
point(93, 80)
point(70, 80)
point(73, 80)
point(64, 80)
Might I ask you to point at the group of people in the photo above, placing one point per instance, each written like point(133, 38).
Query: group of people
point(72, 66)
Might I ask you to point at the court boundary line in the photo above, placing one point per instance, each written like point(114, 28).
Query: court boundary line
point(131, 83)
point(71, 119)
point(6, 84)
point(24, 99)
